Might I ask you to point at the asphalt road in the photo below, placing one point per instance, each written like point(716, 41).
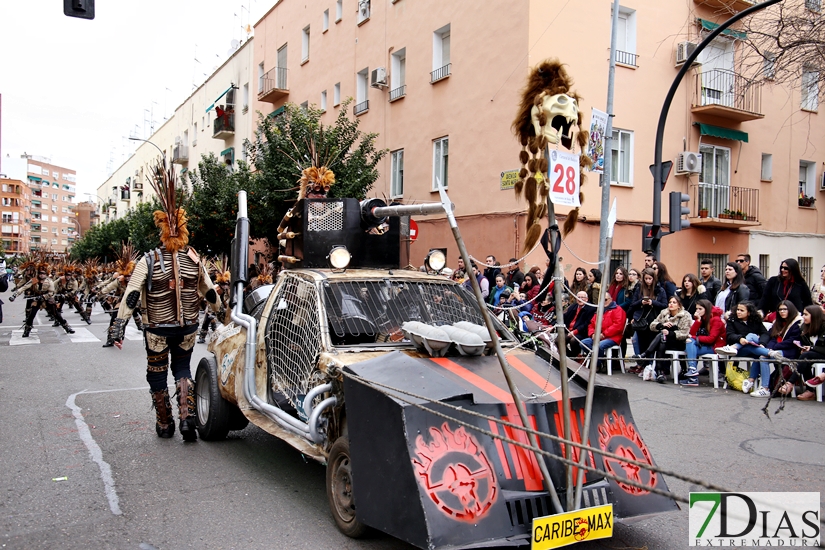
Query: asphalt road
point(74, 410)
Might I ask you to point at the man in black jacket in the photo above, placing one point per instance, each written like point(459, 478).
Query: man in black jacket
point(577, 319)
point(754, 279)
point(711, 283)
point(491, 272)
point(514, 276)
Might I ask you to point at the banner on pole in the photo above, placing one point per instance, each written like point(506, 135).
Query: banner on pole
point(595, 144)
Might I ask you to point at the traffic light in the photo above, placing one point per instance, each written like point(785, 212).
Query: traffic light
point(85, 9)
point(677, 210)
point(648, 238)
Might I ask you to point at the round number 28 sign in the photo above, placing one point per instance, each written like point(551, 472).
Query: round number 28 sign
point(564, 178)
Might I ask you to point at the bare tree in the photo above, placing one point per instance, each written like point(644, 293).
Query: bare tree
point(786, 44)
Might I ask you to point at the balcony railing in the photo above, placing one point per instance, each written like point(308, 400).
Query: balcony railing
point(441, 73)
point(626, 58)
point(398, 93)
point(180, 155)
point(734, 5)
point(727, 94)
point(723, 205)
point(362, 107)
point(272, 86)
point(224, 126)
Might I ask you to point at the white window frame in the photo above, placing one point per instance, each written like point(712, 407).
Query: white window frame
point(364, 17)
point(245, 99)
point(616, 145)
point(336, 94)
point(325, 22)
point(766, 173)
point(362, 85)
point(441, 47)
point(441, 162)
point(810, 90)
point(305, 44)
point(324, 101)
point(261, 73)
point(627, 17)
point(769, 66)
point(397, 174)
point(807, 178)
point(712, 158)
point(398, 69)
point(339, 10)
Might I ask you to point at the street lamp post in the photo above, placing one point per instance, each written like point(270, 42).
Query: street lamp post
point(150, 143)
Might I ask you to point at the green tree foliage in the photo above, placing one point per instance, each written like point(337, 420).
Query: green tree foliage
point(283, 146)
point(212, 208)
point(104, 240)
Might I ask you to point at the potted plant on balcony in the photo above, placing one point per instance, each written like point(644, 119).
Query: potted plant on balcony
point(738, 215)
point(806, 201)
point(703, 212)
point(725, 215)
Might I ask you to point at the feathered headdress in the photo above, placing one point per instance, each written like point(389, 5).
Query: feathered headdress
point(91, 268)
point(171, 219)
point(265, 274)
point(126, 259)
point(221, 266)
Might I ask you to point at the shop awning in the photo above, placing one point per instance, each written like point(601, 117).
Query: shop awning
point(710, 26)
point(231, 86)
point(720, 132)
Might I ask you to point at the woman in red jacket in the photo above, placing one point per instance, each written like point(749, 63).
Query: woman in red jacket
point(706, 334)
point(613, 323)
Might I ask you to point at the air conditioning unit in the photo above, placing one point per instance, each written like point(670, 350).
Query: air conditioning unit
point(378, 78)
point(683, 51)
point(688, 163)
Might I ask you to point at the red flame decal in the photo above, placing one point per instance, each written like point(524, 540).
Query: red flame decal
point(454, 471)
point(621, 438)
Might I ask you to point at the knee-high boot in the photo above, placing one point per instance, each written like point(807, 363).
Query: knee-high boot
point(165, 423)
point(186, 408)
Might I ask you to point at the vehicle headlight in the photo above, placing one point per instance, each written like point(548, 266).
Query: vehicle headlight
point(436, 260)
point(339, 257)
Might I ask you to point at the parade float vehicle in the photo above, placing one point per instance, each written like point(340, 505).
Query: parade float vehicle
point(360, 365)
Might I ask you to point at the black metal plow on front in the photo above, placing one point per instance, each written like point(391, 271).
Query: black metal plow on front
point(435, 483)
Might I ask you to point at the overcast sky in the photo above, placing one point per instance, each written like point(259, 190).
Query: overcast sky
point(73, 90)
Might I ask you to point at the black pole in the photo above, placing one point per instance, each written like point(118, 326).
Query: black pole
point(658, 177)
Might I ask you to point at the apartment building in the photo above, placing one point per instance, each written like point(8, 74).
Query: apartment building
point(15, 203)
point(87, 216)
point(440, 85)
point(53, 189)
point(216, 118)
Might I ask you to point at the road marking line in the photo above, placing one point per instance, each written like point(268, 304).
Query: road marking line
point(18, 340)
point(82, 334)
point(96, 454)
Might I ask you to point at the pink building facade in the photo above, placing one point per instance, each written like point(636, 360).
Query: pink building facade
point(440, 84)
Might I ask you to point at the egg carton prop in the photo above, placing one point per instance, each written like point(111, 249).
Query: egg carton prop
point(548, 116)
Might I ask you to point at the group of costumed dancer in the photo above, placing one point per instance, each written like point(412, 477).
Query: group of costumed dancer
point(50, 282)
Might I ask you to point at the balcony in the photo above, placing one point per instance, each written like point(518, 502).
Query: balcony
point(725, 94)
point(398, 93)
point(441, 73)
point(361, 108)
point(726, 5)
point(180, 155)
point(272, 85)
point(224, 126)
point(713, 205)
point(626, 58)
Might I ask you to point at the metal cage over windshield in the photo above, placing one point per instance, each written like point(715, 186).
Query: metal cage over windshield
point(366, 312)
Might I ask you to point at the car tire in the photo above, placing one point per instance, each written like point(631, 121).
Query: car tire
point(339, 490)
point(213, 410)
